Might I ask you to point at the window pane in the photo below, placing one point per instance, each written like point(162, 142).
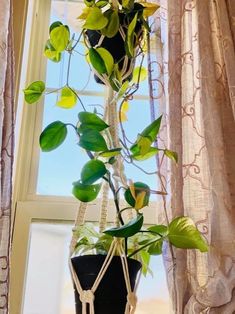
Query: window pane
point(49, 288)
point(59, 168)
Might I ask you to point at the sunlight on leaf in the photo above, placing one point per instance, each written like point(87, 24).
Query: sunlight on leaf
point(123, 113)
point(139, 75)
point(59, 38)
point(184, 234)
point(84, 13)
point(67, 99)
point(34, 91)
point(149, 8)
point(95, 19)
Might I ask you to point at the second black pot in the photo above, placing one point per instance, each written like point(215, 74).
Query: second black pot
point(111, 294)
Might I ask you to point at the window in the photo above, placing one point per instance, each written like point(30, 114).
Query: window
point(45, 210)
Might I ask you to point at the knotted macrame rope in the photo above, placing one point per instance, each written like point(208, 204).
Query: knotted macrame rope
point(88, 296)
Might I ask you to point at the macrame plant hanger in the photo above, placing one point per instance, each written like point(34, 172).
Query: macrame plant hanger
point(88, 296)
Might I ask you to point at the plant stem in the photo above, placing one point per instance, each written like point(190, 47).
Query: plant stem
point(144, 246)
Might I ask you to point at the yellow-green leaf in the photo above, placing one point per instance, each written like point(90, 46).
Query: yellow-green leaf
point(130, 36)
point(140, 198)
point(149, 8)
point(113, 24)
point(34, 91)
point(172, 155)
point(67, 99)
point(95, 19)
point(139, 74)
point(123, 113)
point(107, 58)
point(59, 38)
point(84, 13)
point(97, 61)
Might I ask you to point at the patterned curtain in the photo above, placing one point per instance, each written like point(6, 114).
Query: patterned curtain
point(193, 84)
point(6, 147)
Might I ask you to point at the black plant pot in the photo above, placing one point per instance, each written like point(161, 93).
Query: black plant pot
point(115, 45)
point(111, 294)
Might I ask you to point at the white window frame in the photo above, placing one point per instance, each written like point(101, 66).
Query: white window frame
point(28, 205)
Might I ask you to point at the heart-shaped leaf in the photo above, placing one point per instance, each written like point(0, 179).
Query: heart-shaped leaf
point(34, 91)
point(53, 136)
point(97, 61)
point(68, 99)
point(132, 193)
point(59, 37)
point(54, 25)
point(93, 141)
point(130, 36)
point(184, 234)
point(152, 151)
point(112, 27)
point(129, 229)
point(172, 155)
point(85, 193)
point(95, 19)
point(51, 53)
point(92, 171)
point(90, 120)
point(107, 58)
point(139, 75)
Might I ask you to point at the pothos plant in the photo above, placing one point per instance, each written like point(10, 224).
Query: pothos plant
point(114, 34)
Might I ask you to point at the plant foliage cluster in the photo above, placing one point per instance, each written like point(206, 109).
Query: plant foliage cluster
point(125, 20)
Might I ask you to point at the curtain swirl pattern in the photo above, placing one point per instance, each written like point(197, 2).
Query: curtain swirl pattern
point(194, 87)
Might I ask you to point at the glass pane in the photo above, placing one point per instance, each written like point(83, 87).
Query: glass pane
point(48, 285)
point(59, 168)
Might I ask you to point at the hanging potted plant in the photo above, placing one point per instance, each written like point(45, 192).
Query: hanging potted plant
point(104, 278)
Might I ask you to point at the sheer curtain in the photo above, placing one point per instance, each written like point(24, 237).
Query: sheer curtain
point(194, 87)
point(6, 147)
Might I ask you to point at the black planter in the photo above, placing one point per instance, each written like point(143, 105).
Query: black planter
point(110, 296)
point(115, 45)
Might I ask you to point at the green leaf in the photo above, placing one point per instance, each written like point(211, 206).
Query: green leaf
point(139, 187)
point(139, 74)
point(95, 19)
point(172, 155)
point(152, 129)
point(97, 61)
point(107, 59)
point(112, 27)
point(89, 3)
point(53, 136)
point(91, 121)
point(155, 248)
point(160, 229)
point(145, 260)
point(93, 141)
point(51, 53)
point(92, 171)
point(184, 234)
point(54, 25)
point(59, 38)
point(67, 99)
point(130, 36)
point(128, 230)
point(110, 153)
point(112, 160)
point(101, 3)
point(85, 193)
point(144, 144)
point(152, 151)
point(34, 91)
